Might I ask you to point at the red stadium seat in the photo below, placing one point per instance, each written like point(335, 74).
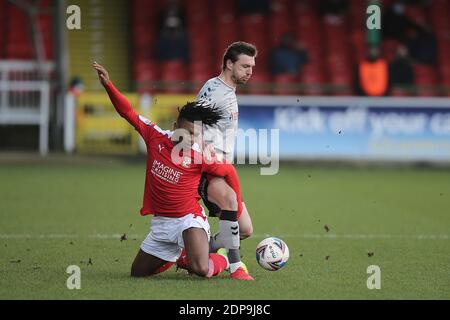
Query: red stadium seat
point(389, 49)
point(282, 6)
point(224, 7)
point(424, 74)
point(199, 69)
point(143, 36)
point(226, 33)
point(280, 21)
point(18, 43)
point(400, 92)
point(146, 71)
point(173, 74)
point(3, 27)
point(254, 30)
point(144, 19)
point(439, 21)
point(416, 14)
point(427, 91)
point(202, 75)
point(197, 7)
point(259, 83)
point(334, 47)
point(147, 75)
point(426, 79)
point(286, 84)
point(312, 77)
point(358, 44)
point(279, 25)
point(199, 77)
point(357, 15)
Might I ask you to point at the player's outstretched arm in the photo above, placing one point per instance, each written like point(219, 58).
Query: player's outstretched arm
point(121, 104)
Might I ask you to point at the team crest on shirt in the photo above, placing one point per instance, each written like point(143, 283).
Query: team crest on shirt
point(186, 162)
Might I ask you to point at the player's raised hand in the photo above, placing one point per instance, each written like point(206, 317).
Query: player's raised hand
point(102, 73)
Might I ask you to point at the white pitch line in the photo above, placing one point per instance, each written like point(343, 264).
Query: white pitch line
point(301, 236)
point(361, 236)
point(66, 236)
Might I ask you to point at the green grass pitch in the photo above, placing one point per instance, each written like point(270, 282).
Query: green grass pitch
point(53, 215)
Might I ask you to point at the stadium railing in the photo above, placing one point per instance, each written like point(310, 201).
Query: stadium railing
point(25, 95)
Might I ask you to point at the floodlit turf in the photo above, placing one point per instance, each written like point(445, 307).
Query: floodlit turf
point(59, 214)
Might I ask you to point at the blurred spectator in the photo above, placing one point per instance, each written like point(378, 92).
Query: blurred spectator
point(253, 6)
point(373, 74)
point(401, 72)
point(332, 7)
point(422, 45)
point(395, 23)
point(172, 15)
point(75, 89)
point(288, 57)
point(76, 86)
point(172, 42)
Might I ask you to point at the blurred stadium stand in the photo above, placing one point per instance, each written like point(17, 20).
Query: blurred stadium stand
point(334, 45)
point(123, 36)
point(26, 74)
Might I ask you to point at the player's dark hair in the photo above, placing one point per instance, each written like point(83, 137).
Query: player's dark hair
point(237, 48)
point(199, 111)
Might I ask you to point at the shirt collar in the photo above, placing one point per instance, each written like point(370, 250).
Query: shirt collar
point(233, 88)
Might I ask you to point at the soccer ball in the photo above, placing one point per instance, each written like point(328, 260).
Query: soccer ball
point(272, 254)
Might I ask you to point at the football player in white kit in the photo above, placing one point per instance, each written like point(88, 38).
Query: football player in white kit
point(220, 91)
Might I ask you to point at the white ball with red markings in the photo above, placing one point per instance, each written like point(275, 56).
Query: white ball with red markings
point(272, 254)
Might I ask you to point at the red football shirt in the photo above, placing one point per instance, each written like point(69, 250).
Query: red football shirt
point(170, 187)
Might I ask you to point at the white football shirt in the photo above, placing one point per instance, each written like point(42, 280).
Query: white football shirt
point(223, 134)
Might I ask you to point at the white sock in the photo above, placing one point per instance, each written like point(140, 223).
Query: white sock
point(234, 266)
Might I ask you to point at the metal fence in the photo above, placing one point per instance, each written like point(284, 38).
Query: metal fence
point(25, 95)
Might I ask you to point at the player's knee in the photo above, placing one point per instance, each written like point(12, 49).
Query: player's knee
point(222, 195)
point(203, 271)
point(245, 231)
point(229, 201)
point(200, 269)
point(137, 272)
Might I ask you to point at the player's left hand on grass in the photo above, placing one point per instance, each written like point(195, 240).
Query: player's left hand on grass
point(102, 73)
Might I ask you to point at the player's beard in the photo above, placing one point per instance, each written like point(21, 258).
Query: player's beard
point(241, 80)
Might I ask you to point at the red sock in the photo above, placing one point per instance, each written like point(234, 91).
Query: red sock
point(217, 264)
point(164, 267)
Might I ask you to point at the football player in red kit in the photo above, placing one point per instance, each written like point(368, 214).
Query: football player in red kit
point(173, 173)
